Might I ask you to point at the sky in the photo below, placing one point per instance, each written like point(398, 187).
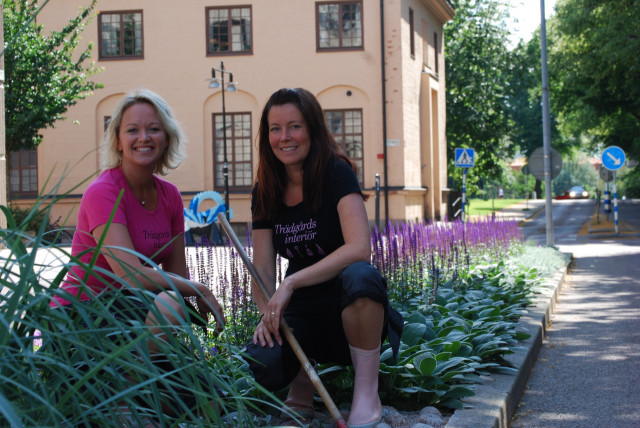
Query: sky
point(527, 12)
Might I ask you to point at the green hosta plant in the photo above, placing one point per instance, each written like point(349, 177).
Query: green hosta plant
point(452, 336)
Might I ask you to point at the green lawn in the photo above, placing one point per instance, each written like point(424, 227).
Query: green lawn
point(481, 207)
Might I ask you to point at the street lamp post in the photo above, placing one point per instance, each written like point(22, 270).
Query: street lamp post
point(218, 82)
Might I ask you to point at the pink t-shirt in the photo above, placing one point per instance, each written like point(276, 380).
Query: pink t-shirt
point(150, 230)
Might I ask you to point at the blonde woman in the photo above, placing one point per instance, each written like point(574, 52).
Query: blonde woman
point(143, 140)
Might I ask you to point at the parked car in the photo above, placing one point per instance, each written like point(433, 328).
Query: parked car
point(576, 192)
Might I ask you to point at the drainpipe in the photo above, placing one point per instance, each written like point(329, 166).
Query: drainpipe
point(384, 116)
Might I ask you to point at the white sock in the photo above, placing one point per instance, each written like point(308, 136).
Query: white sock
point(366, 406)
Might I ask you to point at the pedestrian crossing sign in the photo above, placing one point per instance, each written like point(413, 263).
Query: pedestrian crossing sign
point(465, 157)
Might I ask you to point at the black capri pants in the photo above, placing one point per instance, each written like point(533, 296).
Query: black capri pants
point(315, 316)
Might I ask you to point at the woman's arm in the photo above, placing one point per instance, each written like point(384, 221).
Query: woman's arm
point(264, 260)
point(127, 265)
point(177, 261)
point(357, 247)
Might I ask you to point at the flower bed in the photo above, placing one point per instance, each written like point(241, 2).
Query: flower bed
point(457, 285)
point(454, 284)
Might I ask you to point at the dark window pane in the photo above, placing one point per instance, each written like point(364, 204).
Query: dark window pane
point(238, 134)
point(121, 34)
point(346, 128)
point(23, 173)
point(229, 29)
point(339, 25)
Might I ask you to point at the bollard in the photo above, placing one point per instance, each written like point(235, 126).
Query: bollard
point(607, 201)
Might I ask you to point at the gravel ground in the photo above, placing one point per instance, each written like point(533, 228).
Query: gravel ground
point(428, 417)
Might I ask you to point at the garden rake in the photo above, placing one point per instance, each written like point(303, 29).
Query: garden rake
point(284, 328)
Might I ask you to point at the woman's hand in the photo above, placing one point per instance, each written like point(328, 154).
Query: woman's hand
point(208, 304)
point(276, 306)
point(269, 325)
point(263, 336)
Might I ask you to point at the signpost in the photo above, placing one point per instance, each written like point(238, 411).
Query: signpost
point(613, 159)
point(465, 158)
point(545, 164)
point(606, 175)
point(536, 163)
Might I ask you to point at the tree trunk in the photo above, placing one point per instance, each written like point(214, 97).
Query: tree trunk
point(538, 189)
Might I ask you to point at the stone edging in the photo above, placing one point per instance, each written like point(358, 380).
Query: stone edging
point(496, 401)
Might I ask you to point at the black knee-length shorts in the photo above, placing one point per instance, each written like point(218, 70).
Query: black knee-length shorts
point(314, 315)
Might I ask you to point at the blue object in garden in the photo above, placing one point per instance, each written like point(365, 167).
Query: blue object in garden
point(195, 219)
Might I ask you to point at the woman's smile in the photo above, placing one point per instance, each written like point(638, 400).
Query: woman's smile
point(288, 134)
point(141, 138)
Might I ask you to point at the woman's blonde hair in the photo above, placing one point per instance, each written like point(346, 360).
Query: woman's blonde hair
point(174, 154)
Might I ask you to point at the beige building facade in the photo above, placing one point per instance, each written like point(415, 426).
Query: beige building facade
point(391, 119)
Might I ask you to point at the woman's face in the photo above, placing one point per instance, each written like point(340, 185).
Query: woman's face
point(288, 135)
point(141, 139)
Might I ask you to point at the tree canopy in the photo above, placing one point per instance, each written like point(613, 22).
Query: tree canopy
point(595, 62)
point(494, 95)
point(44, 75)
point(477, 73)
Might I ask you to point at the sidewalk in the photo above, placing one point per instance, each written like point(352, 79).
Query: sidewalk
point(586, 360)
point(495, 401)
point(521, 211)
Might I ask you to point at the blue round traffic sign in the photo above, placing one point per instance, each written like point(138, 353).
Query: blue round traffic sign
point(613, 158)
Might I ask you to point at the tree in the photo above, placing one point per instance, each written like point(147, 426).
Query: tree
point(596, 62)
point(525, 101)
point(576, 171)
point(477, 72)
point(44, 74)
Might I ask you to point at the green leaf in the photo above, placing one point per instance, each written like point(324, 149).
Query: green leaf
point(387, 354)
point(413, 333)
point(429, 334)
point(439, 300)
point(458, 392)
point(416, 317)
point(425, 364)
point(521, 335)
point(452, 347)
point(492, 311)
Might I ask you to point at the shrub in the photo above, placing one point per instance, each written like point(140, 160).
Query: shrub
point(28, 217)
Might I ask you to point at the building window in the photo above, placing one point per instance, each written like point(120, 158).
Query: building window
point(120, 35)
point(425, 44)
point(346, 128)
point(228, 30)
point(238, 151)
point(435, 52)
point(339, 25)
point(412, 35)
point(23, 173)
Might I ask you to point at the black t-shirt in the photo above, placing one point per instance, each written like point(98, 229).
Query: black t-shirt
point(304, 238)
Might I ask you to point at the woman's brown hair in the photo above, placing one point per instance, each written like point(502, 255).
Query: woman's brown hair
point(271, 178)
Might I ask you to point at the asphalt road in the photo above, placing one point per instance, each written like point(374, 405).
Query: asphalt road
point(588, 370)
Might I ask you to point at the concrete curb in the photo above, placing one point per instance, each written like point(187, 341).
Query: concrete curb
point(531, 215)
point(495, 402)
